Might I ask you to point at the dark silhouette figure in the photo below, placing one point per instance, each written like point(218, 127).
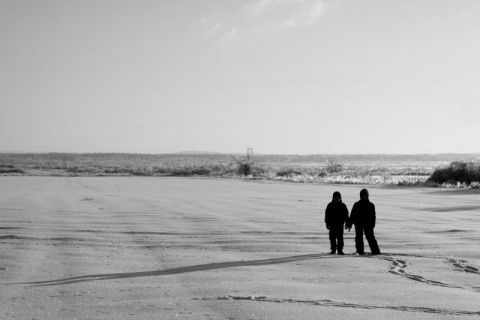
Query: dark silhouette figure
point(336, 215)
point(363, 218)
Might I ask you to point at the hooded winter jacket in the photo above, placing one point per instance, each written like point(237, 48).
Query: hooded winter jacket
point(336, 214)
point(363, 214)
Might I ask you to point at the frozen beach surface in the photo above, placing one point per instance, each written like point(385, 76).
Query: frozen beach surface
point(186, 248)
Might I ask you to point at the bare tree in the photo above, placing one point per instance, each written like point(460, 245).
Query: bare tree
point(244, 166)
point(332, 165)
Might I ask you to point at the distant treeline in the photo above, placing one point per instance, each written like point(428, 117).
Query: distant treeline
point(258, 158)
point(412, 170)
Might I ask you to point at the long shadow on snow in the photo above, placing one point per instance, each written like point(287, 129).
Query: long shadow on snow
point(201, 267)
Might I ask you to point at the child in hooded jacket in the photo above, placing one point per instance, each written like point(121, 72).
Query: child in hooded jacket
point(336, 215)
point(363, 217)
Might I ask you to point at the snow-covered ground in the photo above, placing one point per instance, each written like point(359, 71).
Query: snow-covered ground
point(186, 248)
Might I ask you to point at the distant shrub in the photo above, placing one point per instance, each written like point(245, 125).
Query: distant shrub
point(217, 169)
point(81, 170)
point(259, 172)
point(185, 171)
point(456, 172)
point(475, 185)
point(10, 170)
point(72, 169)
point(200, 171)
point(334, 168)
point(287, 173)
point(322, 174)
point(243, 169)
point(142, 173)
point(113, 171)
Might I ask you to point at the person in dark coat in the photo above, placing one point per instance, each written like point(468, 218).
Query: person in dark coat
point(363, 218)
point(336, 215)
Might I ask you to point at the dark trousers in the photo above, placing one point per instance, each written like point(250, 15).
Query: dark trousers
point(336, 238)
point(372, 242)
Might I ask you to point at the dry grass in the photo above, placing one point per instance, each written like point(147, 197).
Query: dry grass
point(405, 170)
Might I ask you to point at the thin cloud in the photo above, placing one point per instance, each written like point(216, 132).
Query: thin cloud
point(259, 7)
point(215, 28)
point(307, 15)
point(275, 15)
point(230, 36)
point(220, 27)
point(263, 17)
point(218, 30)
point(213, 24)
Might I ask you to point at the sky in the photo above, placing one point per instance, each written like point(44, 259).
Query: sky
point(278, 76)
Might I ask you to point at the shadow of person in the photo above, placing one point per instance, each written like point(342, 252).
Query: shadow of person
point(180, 270)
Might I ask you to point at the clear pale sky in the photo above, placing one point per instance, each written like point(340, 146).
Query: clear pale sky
point(280, 76)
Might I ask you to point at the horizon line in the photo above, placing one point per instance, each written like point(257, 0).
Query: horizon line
point(227, 153)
